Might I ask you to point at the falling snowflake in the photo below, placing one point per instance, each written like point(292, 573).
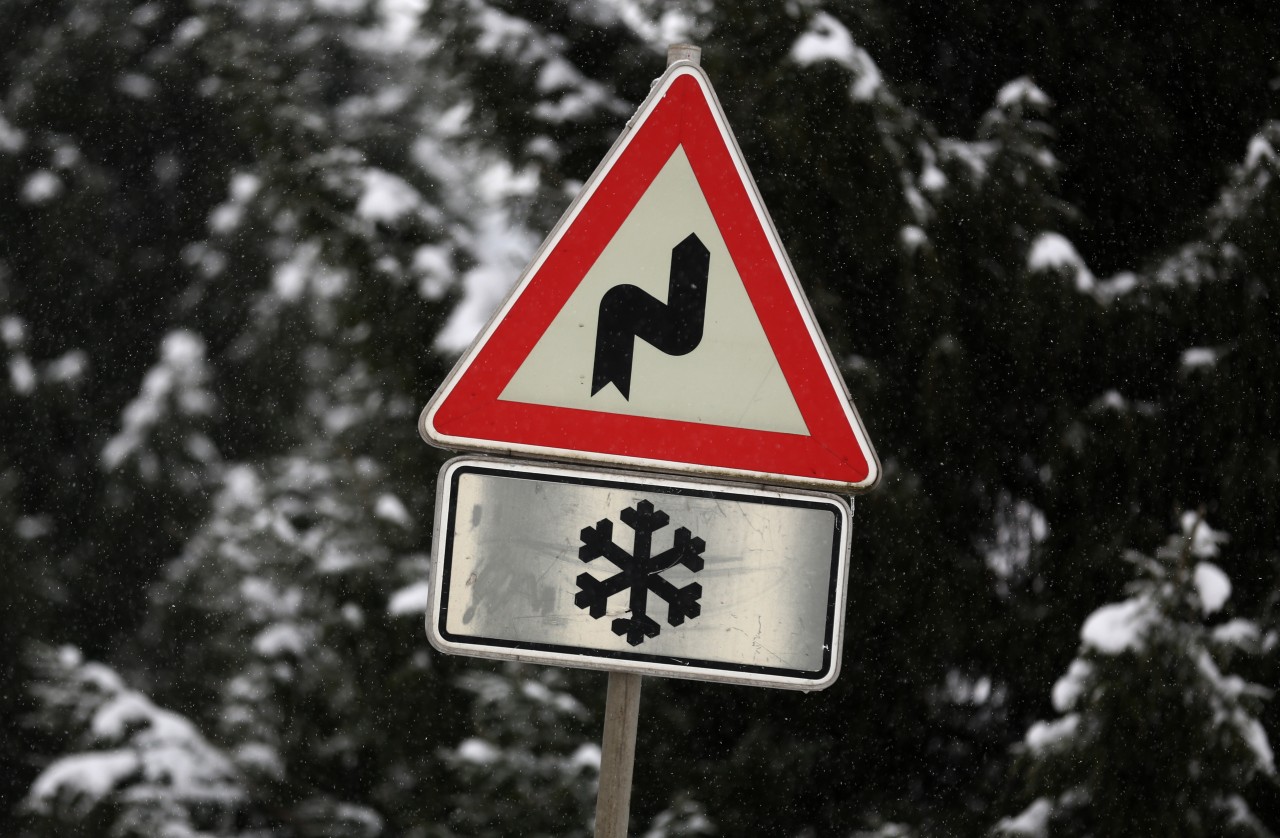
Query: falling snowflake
point(640, 572)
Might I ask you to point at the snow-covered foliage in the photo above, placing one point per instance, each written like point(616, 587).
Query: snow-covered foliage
point(131, 767)
point(292, 568)
point(827, 39)
point(1151, 671)
point(162, 429)
point(528, 766)
point(1052, 252)
point(685, 819)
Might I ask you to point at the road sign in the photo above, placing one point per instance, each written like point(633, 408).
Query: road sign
point(661, 325)
point(621, 571)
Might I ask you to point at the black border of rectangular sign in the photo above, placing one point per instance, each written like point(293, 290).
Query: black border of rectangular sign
point(599, 658)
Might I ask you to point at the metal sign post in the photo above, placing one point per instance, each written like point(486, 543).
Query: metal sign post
point(618, 754)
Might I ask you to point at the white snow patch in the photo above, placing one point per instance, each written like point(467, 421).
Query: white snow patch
point(1255, 736)
point(341, 7)
point(1242, 817)
point(1229, 687)
point(920, 208)
point(91, 776)
point(675, 26)
point(913, 238)
point(975, 156)
point(177, 385)
point(1212, 585)
point(22, 376)
point(1117, 286)
point(229, 215)
point(182, 350)
point(385, 197)
point(115, 719)
point(504, 252)
point(1019, 526)
point(556, 74)
point(241, 488)
point(1114, 401)
point(13, 331)
point(191, 29)
point(12, 140)
point(290, 278)
point(260, 758)
point(932, 179)
point(1052, 252)
point(41, 187)
point(434, 267)
point(244, 187)
point(1031, 822)
point(401, 19)
point(388, 507)
point(586, 756)
point(1204, 539)
point(136, 86)
point(410, 600)
point(68, 367)
point(1238, 633)
point(30, 527)
point(67, 155)
point(869, 80)
point(280, 639)
point(454, 121)
point(353, 614)
point(1042, 736)
point(541, 693)
point(1259, 150)
point(827, 39)
point(1199, 357)
point(1022, 91)
point(478, 752)
point(305, 270)
point(579, 95)
point(1118, 627)
point(1070, 687)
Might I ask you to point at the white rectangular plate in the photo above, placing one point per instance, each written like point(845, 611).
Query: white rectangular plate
point(613, 570)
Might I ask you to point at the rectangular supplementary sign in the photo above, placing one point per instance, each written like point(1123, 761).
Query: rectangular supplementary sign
point(608, 570)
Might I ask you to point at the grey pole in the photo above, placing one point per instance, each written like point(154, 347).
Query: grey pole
point(622, 701)
point(617, 760)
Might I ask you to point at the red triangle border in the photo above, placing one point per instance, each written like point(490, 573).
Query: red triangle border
point(467, 412)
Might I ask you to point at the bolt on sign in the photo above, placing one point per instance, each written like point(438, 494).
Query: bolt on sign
point(661, 329)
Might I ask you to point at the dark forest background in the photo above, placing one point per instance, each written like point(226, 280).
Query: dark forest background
point(241, 242)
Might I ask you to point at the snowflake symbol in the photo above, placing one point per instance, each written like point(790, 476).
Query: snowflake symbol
point(640, 572)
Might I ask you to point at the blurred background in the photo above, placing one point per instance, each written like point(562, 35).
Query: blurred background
point(241, 242)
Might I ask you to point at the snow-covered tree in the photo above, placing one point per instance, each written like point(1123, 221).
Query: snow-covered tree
point(1155, 731)
point(131, 769)
point(529, 765)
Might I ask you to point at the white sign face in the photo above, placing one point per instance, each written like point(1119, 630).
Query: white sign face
point(730, 378)
point(679, 578)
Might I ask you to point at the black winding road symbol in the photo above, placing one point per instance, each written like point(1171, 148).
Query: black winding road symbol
point(673, 327)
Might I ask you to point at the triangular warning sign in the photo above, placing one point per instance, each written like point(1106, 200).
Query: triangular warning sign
point(661, 325)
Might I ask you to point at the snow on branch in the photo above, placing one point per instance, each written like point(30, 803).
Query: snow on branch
point(827, 39)
point(174, 392)
point(135, 760)
point(1054, 253)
